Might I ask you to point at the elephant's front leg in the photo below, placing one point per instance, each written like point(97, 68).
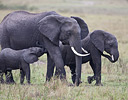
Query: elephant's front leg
point(50, 68)
point(73, 72)
point(22, 74)
point(57, 59)
point(98, 73)
point(96, 66)
point(26, 70)
point(92, 78)
point(56, 73)
point(55, 54)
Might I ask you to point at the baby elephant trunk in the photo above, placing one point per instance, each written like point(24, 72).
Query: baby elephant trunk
point(113, 58)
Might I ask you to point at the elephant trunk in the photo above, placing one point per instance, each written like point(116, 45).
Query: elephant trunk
point(113, 58)
point(76, 48)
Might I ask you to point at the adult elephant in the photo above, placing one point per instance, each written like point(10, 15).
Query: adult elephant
point(95, 43)
point(20, 30)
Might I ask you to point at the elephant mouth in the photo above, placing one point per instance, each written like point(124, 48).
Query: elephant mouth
point(110, 57)
point(78, 54)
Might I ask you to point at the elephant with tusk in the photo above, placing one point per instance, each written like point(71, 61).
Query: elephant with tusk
point(95, 43)
point(20, 30)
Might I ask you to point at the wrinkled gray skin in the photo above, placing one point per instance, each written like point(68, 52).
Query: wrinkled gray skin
point(20, 30)
point(19, 59)
point(95, 43)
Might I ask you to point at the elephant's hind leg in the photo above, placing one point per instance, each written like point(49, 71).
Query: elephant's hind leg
point(9, 77)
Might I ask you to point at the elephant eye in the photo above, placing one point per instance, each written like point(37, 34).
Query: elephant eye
point(69, 32)
point(111, 44)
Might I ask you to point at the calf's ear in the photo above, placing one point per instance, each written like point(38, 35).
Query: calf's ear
point(97, 38)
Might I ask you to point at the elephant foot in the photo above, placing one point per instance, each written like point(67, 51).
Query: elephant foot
point(9, 78)
point(10, 82)
point(78, 82)
point(90, 79)
point(98, 81)
point(98, 84)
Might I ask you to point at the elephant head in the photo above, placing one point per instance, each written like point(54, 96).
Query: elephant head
point(67, 30)
point(31, 55)
point(105, 41)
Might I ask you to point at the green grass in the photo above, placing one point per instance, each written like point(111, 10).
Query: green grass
point(111, 16)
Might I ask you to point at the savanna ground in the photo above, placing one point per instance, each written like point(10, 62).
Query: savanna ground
point(108, 15)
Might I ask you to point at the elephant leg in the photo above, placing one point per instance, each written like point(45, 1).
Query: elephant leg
point(60, 65)
point(96, 65)
point(1, 77)
point(50, 68)
point(9, 77)
point(55, 54)
point(26, 70)
point(73, 73)
point(22, 74)
point(57, 58)
point(91, 78)
point(56, 73)
point(98, 73)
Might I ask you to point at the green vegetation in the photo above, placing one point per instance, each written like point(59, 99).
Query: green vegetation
point(108, 15)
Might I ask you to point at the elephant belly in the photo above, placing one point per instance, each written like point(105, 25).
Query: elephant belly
point(18, 45)
point(25, 41)
point(12, 65)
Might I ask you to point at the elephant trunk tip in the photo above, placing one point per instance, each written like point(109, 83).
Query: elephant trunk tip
point(114, 58)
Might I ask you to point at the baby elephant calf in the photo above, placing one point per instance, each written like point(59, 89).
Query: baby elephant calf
point(19, 59)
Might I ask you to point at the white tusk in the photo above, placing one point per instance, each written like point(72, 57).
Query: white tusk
point(112, 58)
point(78, 54)
point(84, 50)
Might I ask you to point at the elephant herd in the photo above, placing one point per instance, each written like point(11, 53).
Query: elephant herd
point(26, 36)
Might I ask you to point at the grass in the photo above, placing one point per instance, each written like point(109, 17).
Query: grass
point(111, 16)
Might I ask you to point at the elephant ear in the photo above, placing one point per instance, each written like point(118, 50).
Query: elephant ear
point(50, 28)
point(97, 38)
point(30, 57)
point(83, 26)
